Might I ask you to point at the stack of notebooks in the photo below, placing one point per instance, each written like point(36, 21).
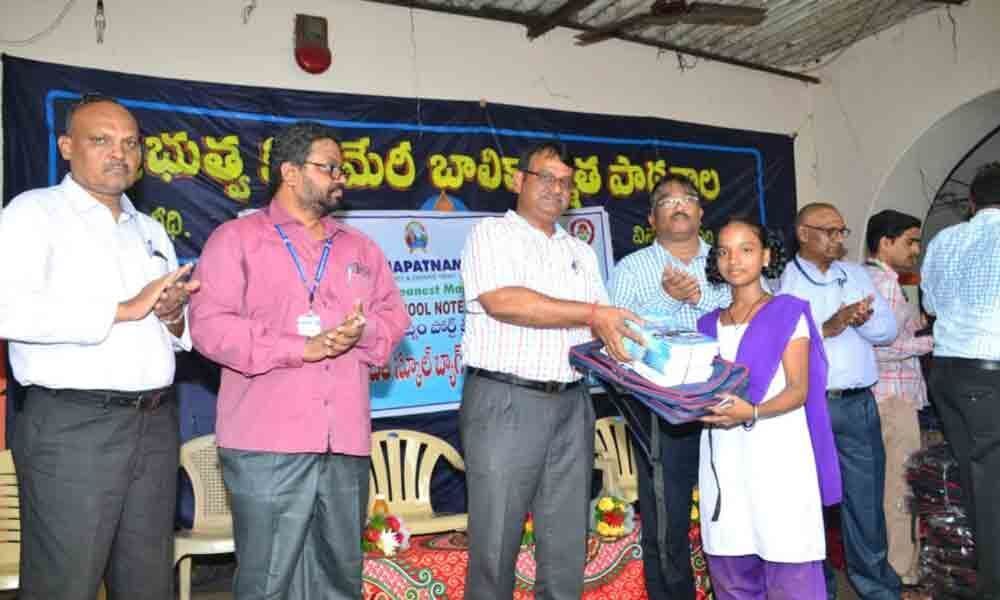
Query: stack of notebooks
point(669, 357)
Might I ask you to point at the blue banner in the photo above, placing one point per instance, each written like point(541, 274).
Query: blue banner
point(207, 148)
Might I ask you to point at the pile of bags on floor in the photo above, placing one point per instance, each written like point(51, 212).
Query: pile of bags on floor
point(947, 552)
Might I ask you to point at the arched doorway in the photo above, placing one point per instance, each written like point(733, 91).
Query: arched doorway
point(930, 180)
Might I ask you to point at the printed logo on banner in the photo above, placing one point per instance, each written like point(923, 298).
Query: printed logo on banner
point(582, 229)
point(443, 202)
point(415, 236)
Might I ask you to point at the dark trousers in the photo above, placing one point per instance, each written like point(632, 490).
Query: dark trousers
point(526, 450)
point(679, 450)
point(968, 400)
point(98, 484)
point(858, 434)
point(297, 522)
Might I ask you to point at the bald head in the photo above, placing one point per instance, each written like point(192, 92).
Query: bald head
point(811, 209)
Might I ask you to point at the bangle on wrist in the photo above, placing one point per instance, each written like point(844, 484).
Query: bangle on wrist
point(749, 424)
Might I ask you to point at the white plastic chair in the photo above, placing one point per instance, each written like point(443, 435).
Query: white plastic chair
point(402, 464)
point(10, 524)
point(615, 458)
point(212, 529)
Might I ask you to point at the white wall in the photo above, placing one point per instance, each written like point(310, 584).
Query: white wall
point(882, 96)
point(448, 57)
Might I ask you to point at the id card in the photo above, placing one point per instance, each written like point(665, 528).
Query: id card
point(309, 324)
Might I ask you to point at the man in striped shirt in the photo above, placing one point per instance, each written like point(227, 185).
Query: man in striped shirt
point(527, 424)
point(667, 280)
point(893, 241)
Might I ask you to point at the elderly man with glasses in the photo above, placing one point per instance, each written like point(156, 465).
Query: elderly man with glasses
point(854, 317)
point(667, 280)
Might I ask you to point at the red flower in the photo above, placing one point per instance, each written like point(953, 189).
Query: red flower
point(371, 535)
point(392, 522)
point(399, 537)
point(615, 519)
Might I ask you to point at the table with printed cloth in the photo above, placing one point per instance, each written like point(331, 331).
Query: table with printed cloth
point(434, 568)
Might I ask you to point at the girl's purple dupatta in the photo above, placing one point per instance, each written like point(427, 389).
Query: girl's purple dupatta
point(760, 350)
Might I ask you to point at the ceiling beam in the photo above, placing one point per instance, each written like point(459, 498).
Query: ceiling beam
point(558, 17)
point(510, 16)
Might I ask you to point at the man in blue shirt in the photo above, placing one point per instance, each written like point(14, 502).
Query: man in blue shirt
point(854, 317)
point(667, 281)
point(961, 284)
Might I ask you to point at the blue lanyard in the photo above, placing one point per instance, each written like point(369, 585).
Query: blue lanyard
point(320, 268)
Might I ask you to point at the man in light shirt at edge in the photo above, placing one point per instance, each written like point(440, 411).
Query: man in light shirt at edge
point(960, 279)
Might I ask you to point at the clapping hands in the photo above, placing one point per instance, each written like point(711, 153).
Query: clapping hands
point(334, 342)
point(681, 286)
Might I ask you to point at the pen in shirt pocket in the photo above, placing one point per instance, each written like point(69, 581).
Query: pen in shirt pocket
point(154, 252)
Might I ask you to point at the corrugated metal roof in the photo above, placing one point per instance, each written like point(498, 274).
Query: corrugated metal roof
point(794, 34)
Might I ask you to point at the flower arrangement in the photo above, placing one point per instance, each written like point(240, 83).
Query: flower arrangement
point(613, 517)
point(385, 534)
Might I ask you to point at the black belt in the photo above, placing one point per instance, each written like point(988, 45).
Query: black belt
point(838, 394)
point(549, 387)
point(144, 400)
point(968, 363)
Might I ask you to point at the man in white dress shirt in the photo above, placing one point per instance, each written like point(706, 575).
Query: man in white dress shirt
point(92, 302)
point(532, 291)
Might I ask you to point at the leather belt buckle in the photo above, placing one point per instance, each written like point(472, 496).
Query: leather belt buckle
point(148, 400)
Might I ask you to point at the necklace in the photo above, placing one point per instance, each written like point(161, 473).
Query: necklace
point(746, 317)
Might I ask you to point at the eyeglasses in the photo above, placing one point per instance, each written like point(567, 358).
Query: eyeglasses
point(333, 169)
point(674, 200)
point(832, 232)
point(550, 181)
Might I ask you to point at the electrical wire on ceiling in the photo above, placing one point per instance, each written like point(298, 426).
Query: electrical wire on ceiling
point(41, 34)
point(416, 71)
point(857, 36)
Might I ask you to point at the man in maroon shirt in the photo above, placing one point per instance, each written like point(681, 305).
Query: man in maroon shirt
point(298, 307)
